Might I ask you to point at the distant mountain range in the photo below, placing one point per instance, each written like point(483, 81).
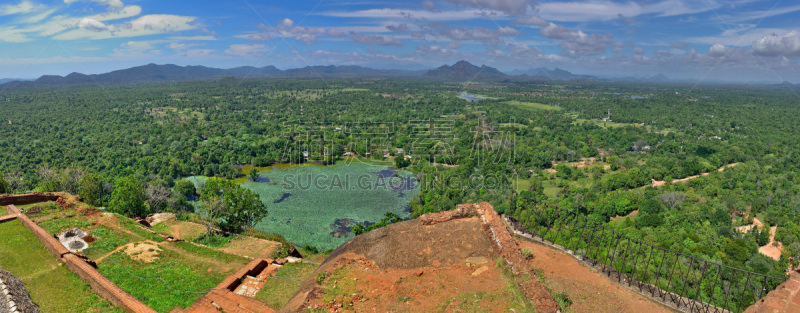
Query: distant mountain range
point(554, 74)
point(461, 70)
point(174, 73)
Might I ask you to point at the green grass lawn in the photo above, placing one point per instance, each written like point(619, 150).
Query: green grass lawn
point(182, 274)
point(278, 291)
point(51, 285)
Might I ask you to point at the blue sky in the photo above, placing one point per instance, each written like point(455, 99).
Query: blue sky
point(738, 40)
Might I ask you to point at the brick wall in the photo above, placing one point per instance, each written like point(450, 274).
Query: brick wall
point(99, 283)
point(785, 298)
point(27, 199)
point(7, 217)
point(253, 268)
point(48, 241)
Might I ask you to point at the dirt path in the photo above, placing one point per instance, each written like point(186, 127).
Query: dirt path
point(589, 290)
point(657, 183)
point(772, 249)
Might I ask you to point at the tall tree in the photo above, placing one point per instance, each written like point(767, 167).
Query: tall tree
point(128, 197)
point(4, 187)
point(230, 206)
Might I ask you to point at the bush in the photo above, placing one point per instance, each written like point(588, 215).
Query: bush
point(527, 253)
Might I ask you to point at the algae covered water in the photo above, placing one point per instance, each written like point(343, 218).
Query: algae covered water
point(317, 205)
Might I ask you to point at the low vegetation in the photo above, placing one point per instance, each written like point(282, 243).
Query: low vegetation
point(279, 289)
point(50, 284)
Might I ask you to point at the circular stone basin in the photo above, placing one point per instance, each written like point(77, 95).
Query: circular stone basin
point(77, 245)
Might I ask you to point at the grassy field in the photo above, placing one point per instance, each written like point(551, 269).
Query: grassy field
point(310, 204)
point(605, 124)
point(51, 285)
point(533, 106)
point(180, 274)
point(161, 274)
point(278, 291)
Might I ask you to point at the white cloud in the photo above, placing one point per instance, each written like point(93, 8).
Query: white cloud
point(751, 15)
point(375, 40)
point(415, 14)
point(510, 7)
point(142, 26)
point(13, 34)
point(532, 20)
point(576, 43)
point(61, 23)
point(24, 7)
point(36, 18)
point(92, 25)
point(774, 45)
point(204, 38)
point(742, 36)
point(200, 52)
point(116, 4)
point(246, 50)
point(287, 22)
point(606, 10)
point(138, 49)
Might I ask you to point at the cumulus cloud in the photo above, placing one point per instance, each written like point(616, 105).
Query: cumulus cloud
point(246, 50)
point(509, 7)
point(92, 25)
point(718, 50)
point(775, 45)
point(375, 40)
point(287, 22)
point(576, 43)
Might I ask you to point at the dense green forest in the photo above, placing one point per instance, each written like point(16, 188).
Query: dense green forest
point(545, 140)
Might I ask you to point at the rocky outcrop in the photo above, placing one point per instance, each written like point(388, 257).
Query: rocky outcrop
point(784, 299)
point(13, 296)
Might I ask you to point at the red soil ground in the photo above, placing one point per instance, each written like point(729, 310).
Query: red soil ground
point(589, 290)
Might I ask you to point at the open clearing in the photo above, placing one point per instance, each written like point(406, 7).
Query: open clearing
point(51, 285)
point(532, 105)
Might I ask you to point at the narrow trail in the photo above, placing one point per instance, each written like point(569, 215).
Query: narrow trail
point(656, 183)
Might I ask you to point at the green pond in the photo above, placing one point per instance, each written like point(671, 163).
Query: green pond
point(317, 205)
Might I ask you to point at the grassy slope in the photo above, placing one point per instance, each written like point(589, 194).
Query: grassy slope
point(51, 285)
point(277, 291)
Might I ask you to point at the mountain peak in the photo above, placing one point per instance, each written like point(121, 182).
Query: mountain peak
point(465, 70)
